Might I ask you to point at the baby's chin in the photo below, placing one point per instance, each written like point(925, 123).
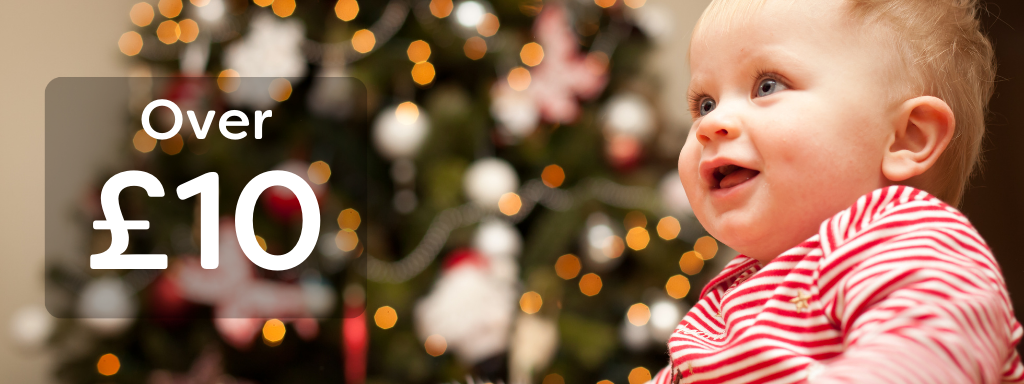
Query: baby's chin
point(747, 235)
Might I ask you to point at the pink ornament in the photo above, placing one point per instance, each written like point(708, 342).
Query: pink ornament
point(563, 77)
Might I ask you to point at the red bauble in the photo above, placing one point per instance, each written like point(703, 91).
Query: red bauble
point(281, 203)
point(166, 302)
point(624, 152)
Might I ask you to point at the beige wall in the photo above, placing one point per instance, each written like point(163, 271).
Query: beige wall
point(43, 40)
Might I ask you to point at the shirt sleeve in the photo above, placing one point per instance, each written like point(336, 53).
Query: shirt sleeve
point(917, 312)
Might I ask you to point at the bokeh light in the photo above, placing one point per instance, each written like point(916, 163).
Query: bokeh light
point(130, 43)
point(346, 10)
point(441, 8)
point(519, 79)
point(346, 240)
point(639, 314)
point(605, 382)
point(691, 263)
point(530, 302)
point(510, 203)
point(189, 30)
point(553, 176)
point(168, 32)
point(263, 3)
point(169, 8)
point(469, 13)
point(349, 219)
point(639, 375)
point(108, 364)
point(488, 25)
point(143, 142)
point(273, 332)
point(173, 145)
point(280, 89)
point(407, 113)
point(678, 286)
point(385, 317)
point(262, 242)
point(418, 51)
point(531, 54)
point(706, 246)
point(635, 219)
point(553, 378)
point(604, 3)
point(141, 14)
point(200, 3)
point(568, 266)
point(319, 172)
point(435, 345)
point(635, 3)
point(590, 284)
point(637, 238)
point(228, 80)
point(475, 48)
point(423, 73)
point(283, 8)
point(668, 228)
point(363, 41)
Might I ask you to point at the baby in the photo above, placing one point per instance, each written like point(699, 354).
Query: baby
point(831, 141)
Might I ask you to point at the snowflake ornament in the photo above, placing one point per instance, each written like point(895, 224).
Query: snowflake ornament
point(271, 49)
point(558, 83)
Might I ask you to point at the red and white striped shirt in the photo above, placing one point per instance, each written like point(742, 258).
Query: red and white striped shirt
point(897, 288)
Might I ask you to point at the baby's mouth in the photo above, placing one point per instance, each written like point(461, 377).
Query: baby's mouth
point(728, 176)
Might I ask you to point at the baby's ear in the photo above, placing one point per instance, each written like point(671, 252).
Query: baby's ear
point(922, 130)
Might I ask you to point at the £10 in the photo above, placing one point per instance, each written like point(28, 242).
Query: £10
point(207, 186)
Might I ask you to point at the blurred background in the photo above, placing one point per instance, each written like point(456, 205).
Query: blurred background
point(528, 225)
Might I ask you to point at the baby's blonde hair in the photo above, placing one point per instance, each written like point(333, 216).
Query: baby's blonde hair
point(941, 52)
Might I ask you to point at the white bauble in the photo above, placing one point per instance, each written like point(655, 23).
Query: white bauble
point(31, 326)
point(534, 344)
point(602, 242)
point(673, 196)
point(397, 137)
point(487, 180)
point(516, 112)
point(106, 306)
point(212, 12)
point(629, 114)
point(467, 15)
point(498, 239)
point(319, 297)
point(635, 338)
point(665, 316)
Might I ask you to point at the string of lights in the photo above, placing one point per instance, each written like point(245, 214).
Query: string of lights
point(532, 193)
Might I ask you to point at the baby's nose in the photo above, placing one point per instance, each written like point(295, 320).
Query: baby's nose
point(721, 127)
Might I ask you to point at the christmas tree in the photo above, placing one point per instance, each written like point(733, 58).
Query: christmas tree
point(498, 197)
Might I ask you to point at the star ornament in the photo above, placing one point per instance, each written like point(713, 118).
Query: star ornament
point(801, 301)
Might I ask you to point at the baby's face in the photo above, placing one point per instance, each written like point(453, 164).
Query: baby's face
point(791, 124)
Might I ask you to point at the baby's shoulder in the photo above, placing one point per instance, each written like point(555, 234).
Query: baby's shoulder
point(902, 229)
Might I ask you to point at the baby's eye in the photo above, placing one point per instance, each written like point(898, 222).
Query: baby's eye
point(767, 87)
point(706, 106)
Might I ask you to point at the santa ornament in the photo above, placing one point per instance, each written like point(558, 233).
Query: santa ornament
point(469, 308)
